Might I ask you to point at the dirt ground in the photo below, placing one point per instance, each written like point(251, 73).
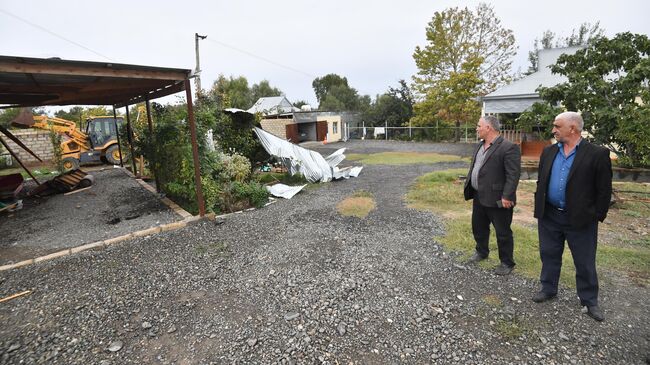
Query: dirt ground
point(115, 205)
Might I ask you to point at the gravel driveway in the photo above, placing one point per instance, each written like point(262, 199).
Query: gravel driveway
point(115, 205)
point(295, 282)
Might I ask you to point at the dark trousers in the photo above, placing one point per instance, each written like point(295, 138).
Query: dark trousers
point(501, 219)
point(554, 228)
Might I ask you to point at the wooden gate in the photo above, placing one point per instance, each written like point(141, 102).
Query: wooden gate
point(292, 132)
point(321, 130)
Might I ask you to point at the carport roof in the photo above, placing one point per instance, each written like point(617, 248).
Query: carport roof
point(36, 81)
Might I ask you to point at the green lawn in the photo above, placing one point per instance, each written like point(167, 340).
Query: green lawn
point(402, 158)
point(441, 193)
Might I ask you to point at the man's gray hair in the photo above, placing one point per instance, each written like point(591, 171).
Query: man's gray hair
point(493, 121)
point(574, 118)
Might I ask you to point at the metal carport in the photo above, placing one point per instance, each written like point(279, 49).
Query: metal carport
point(33, 82)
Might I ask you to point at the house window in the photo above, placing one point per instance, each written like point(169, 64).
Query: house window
point(335, 127)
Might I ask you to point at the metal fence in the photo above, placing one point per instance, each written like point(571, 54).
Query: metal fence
point(439, 133)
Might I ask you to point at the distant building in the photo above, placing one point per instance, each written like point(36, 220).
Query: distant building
point(282, 119)
point(520, 94)
point(272, 105)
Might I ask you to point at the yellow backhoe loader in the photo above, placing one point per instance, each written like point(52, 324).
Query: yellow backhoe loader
point(97, 144)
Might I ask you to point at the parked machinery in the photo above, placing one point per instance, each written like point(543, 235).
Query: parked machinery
point(97, 144)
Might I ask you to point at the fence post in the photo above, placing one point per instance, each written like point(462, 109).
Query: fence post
point(386, 131)
point(465, 132)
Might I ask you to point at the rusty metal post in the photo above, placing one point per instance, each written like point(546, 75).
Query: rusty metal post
point(117, 134)
point(195, 149)
point(129, 136)
point(14, 155)
point(154, 168)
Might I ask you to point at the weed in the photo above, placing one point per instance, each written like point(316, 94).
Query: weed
point(511, 328)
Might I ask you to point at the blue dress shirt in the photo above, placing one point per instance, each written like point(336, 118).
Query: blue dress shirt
point(559, 173)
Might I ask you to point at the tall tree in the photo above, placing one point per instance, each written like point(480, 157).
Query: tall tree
point(395, 107)
point(263, 89)
point(231, 92)
point(581, 36)
point(334, 94)
point(609, 83)
point(458, 36)
point(452, 100)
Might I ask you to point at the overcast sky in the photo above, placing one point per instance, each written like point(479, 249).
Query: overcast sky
point(288, 42)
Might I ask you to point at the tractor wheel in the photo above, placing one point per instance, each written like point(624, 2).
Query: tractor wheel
point(113, 155)
point(70, 163)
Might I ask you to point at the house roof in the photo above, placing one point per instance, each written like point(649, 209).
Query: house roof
point(36, 81)
point(272, 105)
point(526, 87)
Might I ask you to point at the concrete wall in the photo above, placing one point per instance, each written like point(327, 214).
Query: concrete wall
point(38, 141)
point(276, 127)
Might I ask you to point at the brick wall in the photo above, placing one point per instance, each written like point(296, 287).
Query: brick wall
point(37, 141)
point(276, 127)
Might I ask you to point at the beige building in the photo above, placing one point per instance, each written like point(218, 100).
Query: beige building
point(284, 120)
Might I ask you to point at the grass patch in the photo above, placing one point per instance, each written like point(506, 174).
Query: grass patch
point(492, 300)
point(441, 192)
point(214, 248)
point(359, 205)
point(511, 329)
point(402, 158)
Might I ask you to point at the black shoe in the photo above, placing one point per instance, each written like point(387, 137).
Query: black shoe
point(541, 297)
point(476, 257)
point(503, 269)
point(595, 313)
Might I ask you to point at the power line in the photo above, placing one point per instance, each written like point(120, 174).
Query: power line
point(306, 74)
point(54, 34)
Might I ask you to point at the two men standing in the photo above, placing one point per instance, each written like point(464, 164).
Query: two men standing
point(574, 189)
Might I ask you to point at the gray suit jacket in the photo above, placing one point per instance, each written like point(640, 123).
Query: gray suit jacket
point(499, 176)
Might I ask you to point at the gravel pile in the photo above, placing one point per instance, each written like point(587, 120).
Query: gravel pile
point(115, 205)
point(296, 283)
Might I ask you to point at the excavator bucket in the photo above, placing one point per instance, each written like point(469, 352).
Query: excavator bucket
point(25, 119)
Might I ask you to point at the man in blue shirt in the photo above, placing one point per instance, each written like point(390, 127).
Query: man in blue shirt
point(574, 189)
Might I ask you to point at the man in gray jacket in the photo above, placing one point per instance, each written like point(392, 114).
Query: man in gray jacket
point(492, 184)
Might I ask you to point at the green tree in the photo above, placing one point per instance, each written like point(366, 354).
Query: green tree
point(609, 83)
point(334, 94)
point(581, 36)
point(7, 115)
point(263, 89)
point(395, 107)
point(231, 92)
point(456, 37)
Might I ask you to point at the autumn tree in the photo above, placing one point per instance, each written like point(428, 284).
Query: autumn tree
point(468, 54)
point(458, 36)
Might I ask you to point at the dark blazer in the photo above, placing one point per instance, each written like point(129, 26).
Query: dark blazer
point(499, 175)
point(588, 188)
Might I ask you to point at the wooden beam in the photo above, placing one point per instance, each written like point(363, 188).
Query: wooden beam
point(195, 150)
point(76, 70)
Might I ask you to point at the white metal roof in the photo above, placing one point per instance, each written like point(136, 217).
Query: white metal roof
point(272, 105)
point(526, 86)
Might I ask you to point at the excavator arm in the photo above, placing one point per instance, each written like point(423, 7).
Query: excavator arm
point(76, 140)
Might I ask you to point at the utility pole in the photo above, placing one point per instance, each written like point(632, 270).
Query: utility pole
point(197, 72)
